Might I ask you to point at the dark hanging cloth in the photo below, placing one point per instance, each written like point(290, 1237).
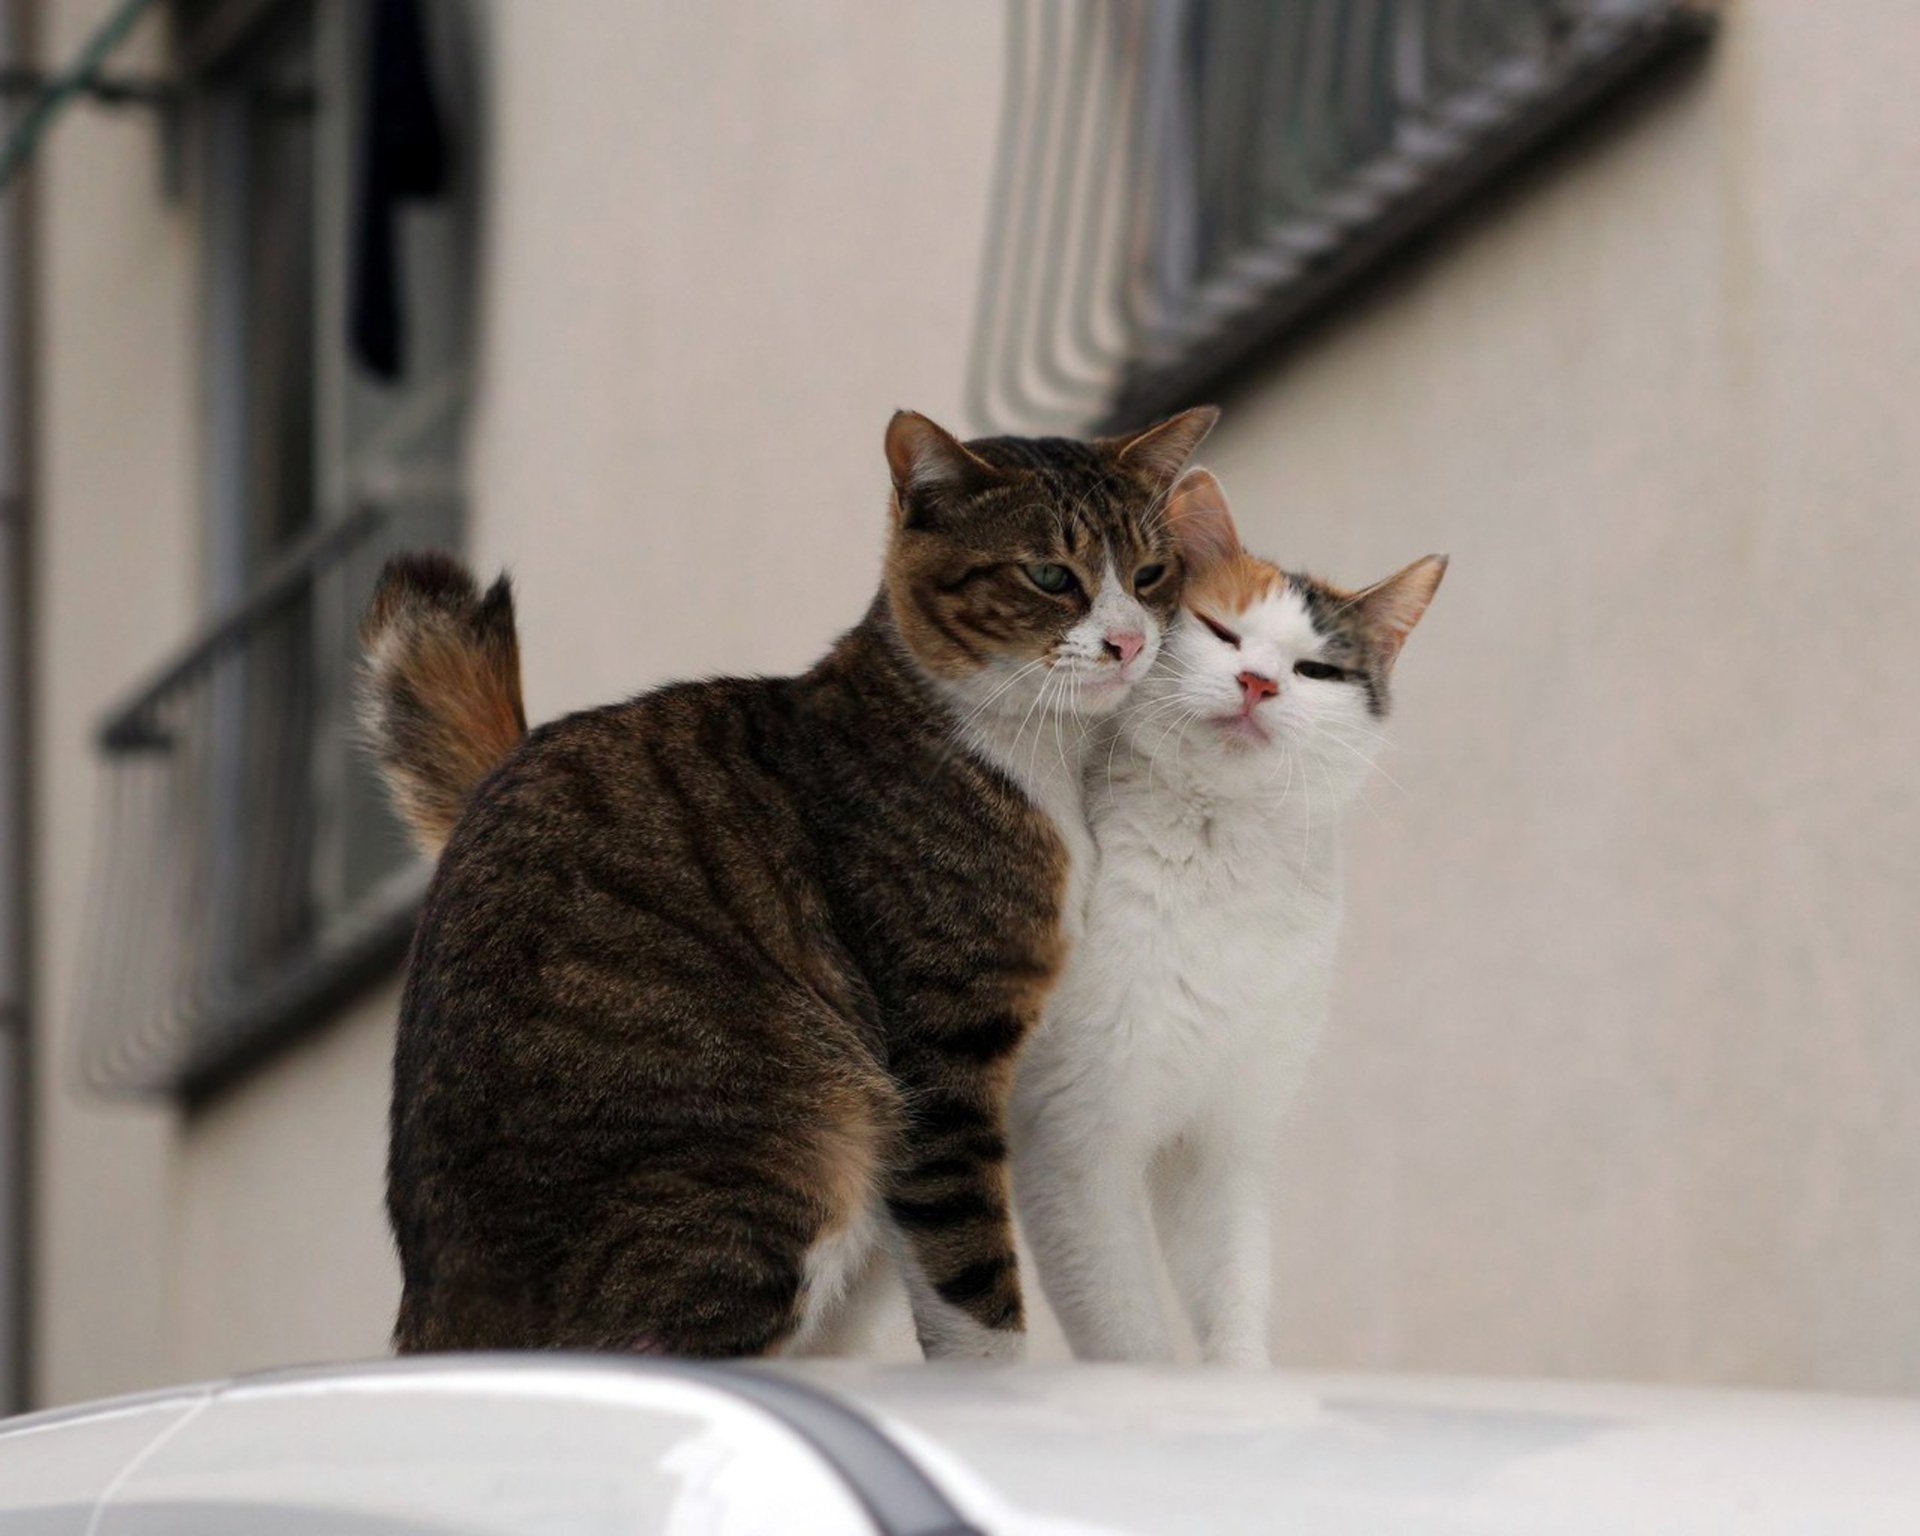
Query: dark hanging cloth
point(405, 156)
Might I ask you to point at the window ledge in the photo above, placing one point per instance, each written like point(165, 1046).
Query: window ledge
point(356, 953)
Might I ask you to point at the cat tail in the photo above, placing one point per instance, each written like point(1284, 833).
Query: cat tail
point(439, 696)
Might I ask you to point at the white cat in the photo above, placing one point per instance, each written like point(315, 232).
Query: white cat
point(1150, 1096)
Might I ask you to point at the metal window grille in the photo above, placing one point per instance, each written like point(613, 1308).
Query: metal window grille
point(1181, 182)
point(234, 897)
point(250, 874)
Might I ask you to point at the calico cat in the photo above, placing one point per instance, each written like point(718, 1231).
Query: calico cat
point(1150, 1095)
point(716, 988)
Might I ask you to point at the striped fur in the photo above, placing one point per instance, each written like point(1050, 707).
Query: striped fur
point(718, 987)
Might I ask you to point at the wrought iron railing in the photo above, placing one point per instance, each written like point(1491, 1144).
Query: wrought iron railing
point(248, 872)
point(1181, 182)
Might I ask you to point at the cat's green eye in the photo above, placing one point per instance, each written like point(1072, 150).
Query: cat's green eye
point(1322, 671)
point(1148, 576)
point(1050, 578)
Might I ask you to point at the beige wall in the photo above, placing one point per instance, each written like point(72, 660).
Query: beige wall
point(1625, 1078)
point(162, 1249)
point(114, 564)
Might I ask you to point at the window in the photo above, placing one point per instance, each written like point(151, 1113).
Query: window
point(1182, 183)
point(253, 873)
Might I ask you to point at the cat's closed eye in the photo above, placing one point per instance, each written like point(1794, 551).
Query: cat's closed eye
point(1219, 629)
point(1322, 671)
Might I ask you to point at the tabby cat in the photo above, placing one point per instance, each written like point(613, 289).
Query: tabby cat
point(1148, 1101)
point(717, 988)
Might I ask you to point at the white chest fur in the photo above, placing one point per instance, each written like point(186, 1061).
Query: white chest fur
point(1201, 981)
point(1047, 761)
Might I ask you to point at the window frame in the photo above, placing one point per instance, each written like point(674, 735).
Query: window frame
point(1107, 296)
point(365, 498)
point(1217, 359)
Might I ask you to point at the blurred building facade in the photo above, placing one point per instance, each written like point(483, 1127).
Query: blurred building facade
point(1624, 1079)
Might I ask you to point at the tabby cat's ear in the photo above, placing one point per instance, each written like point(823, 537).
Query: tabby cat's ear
point(1392, 607)
point(925, 460)
point(1197, 512)
point(1161, 451)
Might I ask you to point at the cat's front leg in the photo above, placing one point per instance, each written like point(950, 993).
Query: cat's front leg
point(1216, 1230)
point(951, 1216)
point(1083, 1204)
point(954, 1329)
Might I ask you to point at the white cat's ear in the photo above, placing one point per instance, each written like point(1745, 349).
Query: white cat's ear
point(1197, 512)
point(1161, 451)
point(1392, 607)
point(926, 459)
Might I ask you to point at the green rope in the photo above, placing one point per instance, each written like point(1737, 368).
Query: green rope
point(69, 83)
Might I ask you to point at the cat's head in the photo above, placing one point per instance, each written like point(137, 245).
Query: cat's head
point(1035, 575)
point(1266, 670)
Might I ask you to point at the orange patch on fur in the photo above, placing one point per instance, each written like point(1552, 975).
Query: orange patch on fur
point(440, 699)
point(1233, 584)
point(857, 1134)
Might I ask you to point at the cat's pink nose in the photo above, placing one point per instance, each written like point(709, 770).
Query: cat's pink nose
point(1125, 644)
point(1254, 688)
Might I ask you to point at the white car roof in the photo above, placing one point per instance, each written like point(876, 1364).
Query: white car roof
point(491, 1445)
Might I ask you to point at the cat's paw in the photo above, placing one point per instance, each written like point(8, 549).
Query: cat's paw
point(1237, 1357)
point(995, 1346)
point(989, 1346)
